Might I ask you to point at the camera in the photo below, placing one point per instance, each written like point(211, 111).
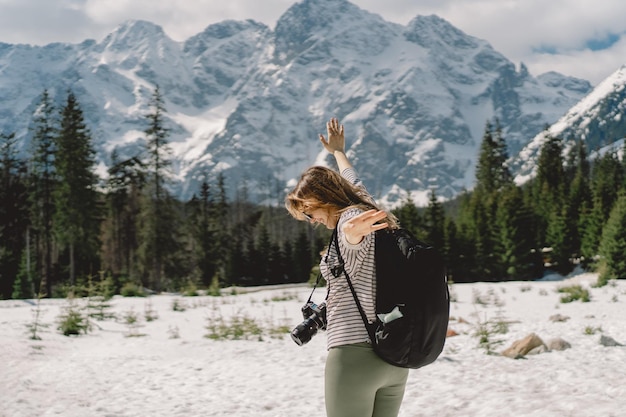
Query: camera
point(314, 319)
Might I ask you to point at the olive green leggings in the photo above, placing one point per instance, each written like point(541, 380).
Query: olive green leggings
point(360, 384)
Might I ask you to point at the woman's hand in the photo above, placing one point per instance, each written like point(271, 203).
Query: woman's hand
point(356, 228)
point(336, 140)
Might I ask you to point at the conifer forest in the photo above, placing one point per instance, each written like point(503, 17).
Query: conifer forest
point(62, 227)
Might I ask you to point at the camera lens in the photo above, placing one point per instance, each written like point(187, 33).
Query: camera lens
point(304, 331)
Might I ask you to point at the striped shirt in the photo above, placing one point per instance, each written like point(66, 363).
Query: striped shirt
point(344, 322)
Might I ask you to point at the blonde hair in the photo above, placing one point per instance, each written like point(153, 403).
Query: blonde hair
point(321, 187)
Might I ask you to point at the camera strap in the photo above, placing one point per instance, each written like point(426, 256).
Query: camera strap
point(319, 276)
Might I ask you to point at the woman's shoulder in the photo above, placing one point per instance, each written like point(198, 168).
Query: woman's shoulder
point(349, 213)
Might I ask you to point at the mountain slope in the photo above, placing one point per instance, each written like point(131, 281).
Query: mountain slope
point(249, 101)
point(598, 119)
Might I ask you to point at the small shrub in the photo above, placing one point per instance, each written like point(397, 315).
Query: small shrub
point(591, 330)
point(98, 305)
point(35, 326)
point(131, 289)
point(486, 330)
point(283, 297)
point(72, 322)
point(178, 305)
point(239, 327)
point(149, 313)
point(214, 288)
point(131, 319)
point(190, 290)
point(277, 332)
point(573, 293)
point(106, 287)
point(491, 298)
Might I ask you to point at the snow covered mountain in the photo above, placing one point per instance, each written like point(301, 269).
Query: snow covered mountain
point(250, 101)
point(599, 120)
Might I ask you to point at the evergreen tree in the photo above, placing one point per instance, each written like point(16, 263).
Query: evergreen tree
point(221, 228)
point(492, 173)
point(557, 238)
point(23, 286)
point(451, 251)
point(235, 267)
point(435, 221)
point(516, 259)
point(41, 189)
point(467, 266)
point(613, 243)
point(158, 219)
point(607, 178)
point(409, 217)
point(579, 197)
point(204, 235)
point(13, 212)
point(125, 182)
point(549, 184)
point(492, 176)
point(263, 251)
point(277, 265)
point(302, 260)
point(76, 217)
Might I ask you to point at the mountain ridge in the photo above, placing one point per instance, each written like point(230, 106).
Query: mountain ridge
point(249, 101)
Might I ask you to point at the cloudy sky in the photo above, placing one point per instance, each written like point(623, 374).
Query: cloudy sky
point(582, 38)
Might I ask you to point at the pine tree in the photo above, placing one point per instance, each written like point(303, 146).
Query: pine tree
point(492, 173)
point(409, 217)
point(125, 182)
point(435, 221)
point(302, 257)
point(203, 233)
point(263, 250)
point(76, 217)
point(557, 238)
point(549, 184)
point(607, 178)
point(515, 259)
point(492, 176)
point(613, 243)
point(43, 180)
point(220, 225)
point(158, 220)
point(579, 197)
point(468, 266)
point(13, 212)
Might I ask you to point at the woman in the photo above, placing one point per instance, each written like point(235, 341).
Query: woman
point(357, 382)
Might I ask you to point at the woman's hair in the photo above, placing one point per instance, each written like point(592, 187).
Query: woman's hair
point(321, 187)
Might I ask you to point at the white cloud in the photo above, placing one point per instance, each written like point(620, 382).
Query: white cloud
point(516, 28)
point(183, 19)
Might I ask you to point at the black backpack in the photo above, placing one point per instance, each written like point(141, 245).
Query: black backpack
point(412, 299)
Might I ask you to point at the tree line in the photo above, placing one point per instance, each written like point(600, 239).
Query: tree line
point(572, 213)
point(61, 225)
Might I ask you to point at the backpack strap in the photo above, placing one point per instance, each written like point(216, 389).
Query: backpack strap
point(341, 269)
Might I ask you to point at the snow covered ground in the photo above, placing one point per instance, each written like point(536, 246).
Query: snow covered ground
point(169, 368)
